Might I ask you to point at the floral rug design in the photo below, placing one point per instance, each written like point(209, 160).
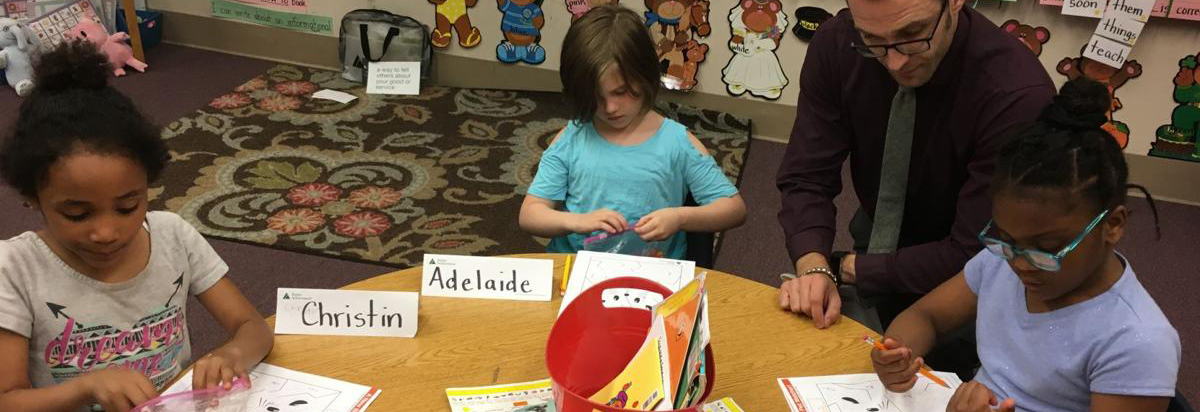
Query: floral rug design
point(383, 179)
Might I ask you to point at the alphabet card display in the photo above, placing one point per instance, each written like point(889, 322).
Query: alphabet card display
point(487, 277)
point(51, 28)
point(345, 312)
point(273, 388)
point(594, 267)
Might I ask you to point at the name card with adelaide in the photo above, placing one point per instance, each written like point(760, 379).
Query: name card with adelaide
point(487, 277)
point(345, 312)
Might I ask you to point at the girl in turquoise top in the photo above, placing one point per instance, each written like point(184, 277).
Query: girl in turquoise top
point(618, 165)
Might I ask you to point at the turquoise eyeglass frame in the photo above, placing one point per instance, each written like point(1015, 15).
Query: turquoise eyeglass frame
point(1014, 252)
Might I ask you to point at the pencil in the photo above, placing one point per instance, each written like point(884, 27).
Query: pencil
point(562, 290)
point(924, 371)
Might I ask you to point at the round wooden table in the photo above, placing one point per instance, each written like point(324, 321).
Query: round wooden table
point(476, 342)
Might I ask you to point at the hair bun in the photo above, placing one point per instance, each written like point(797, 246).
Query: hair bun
point(72, 65)
point(1081, 104)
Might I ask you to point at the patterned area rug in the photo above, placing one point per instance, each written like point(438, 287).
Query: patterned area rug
point(380, 179)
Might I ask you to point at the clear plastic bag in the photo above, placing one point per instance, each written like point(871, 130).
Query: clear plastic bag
point(201, 400)
point(626, 243)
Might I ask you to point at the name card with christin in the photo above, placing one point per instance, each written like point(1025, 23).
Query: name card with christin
point(487, 277)
point(345, 312)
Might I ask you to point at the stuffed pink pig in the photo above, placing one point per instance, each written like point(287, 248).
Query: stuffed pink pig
point(119, 54)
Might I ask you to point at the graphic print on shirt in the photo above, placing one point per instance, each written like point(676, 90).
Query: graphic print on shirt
point(150, 346)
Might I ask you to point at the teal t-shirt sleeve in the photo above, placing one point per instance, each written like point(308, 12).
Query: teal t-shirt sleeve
point(1138, 361)
point(550, 182)
point(705, 180)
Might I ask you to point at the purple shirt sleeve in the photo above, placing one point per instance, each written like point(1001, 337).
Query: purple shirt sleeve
point(810, 175)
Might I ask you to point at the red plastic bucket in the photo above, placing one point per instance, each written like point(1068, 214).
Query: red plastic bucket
point(590, 344)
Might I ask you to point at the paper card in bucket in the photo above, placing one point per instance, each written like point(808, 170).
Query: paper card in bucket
point(693, 381)
point(591, 268)
point(643, 383)
point(675, 322)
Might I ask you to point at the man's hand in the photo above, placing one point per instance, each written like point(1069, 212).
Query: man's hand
point(813, 295)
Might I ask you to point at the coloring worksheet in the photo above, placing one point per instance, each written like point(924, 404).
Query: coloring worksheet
point(591, 268)
point(865, 393)
point(275, 389)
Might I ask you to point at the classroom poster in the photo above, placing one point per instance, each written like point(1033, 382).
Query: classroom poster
point(279, 19)
point(293, 5)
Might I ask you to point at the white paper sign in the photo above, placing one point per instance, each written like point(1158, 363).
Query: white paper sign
point(1083, 8)
point(1116, 26)
point(345, 312)
point(394, 78)
point(1133, 9)
point(487, 277)
point(591, 268)
point(340, 97)
point(1106, 51)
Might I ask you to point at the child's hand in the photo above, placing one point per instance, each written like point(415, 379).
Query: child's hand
point(658, 225)
point(218, 368)
point(117, 389)
point(603, 219)
point(895, 366)
point(975, 397)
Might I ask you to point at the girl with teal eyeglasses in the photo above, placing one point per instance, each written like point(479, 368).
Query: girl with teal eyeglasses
point(1061, 321)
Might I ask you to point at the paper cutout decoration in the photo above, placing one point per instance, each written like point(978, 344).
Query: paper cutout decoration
point(578, 7)
point(674, 27)
point(1109, 76)
point(521, 22)
point(450, 17)
point(1181, 138)
point(757, 27)
point(808, 20)
point(1033, 37)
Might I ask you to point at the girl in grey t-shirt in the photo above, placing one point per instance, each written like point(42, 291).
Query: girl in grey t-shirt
point(92, 305)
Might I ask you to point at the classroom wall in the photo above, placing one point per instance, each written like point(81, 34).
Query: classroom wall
point(1147, 99)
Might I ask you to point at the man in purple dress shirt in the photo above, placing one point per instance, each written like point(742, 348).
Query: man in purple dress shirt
point(967, 81)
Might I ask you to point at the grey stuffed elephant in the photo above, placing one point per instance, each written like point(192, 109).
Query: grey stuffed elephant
point(17, 44)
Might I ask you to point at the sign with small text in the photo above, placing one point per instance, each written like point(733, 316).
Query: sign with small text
point(1083, 8)
point(1139, 10)
point(1106, 51)
point(345, 312)
point(1185, 9)
point(1116, 26)
point(394, 78)
point(487, 277)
